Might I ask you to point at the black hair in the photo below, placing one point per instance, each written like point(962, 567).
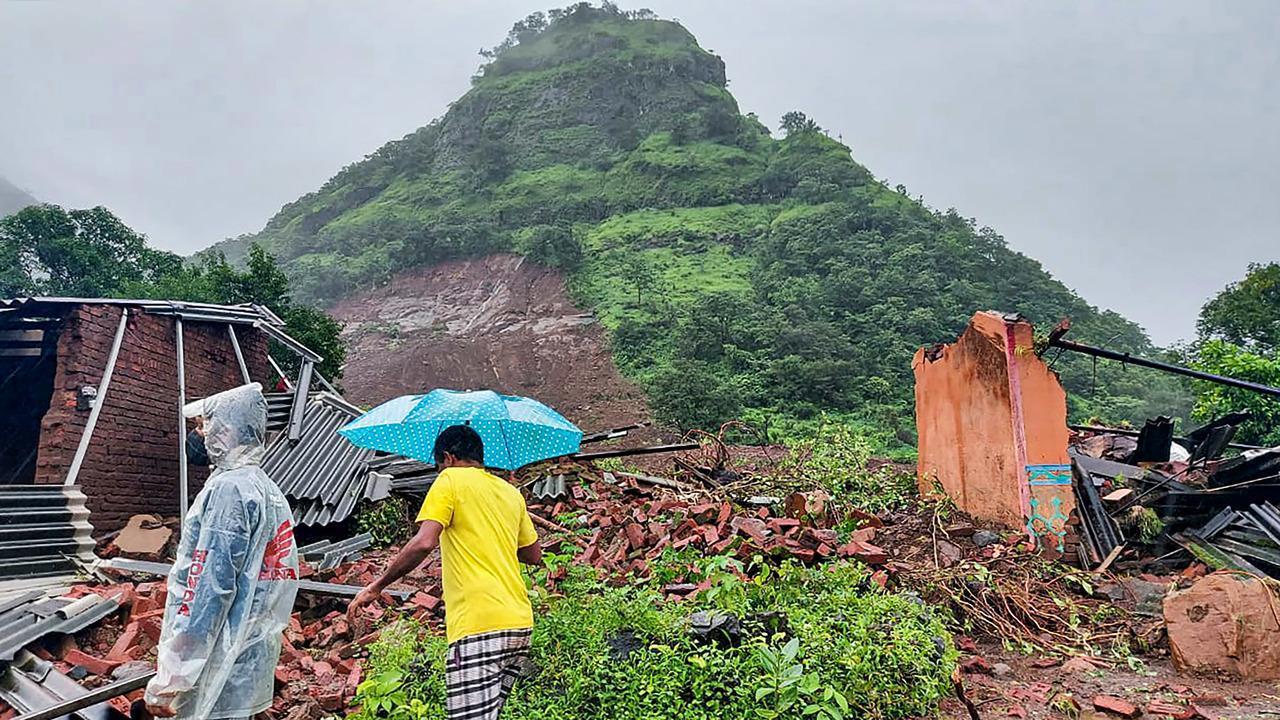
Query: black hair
point(461, 442)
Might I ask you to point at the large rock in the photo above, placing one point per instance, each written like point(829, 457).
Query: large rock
point(1225, 623)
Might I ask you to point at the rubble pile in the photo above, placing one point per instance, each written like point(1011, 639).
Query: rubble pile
point(320, 662)
point(620, 522)
point(1160, 500)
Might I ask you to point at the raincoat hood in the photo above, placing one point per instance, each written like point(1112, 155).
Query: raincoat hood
point(235, 426)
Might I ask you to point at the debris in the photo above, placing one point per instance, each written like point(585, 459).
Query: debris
point(1225, 623)
point(144, 536)
point(1115, 497)
point(309, 586)
point(1116, 706)
point(983, 538)
point(1079, 664)
point(32, 616)
point(325, 555)
point(975, 665)
point(1171, 710)
point(1001, 670)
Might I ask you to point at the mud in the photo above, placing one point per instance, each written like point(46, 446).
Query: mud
point(500, 323)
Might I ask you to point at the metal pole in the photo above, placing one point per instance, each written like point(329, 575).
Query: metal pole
point(182, 421)
point(1166, 367)
point(279, 371)
point(235, 345)
point(299, 408)
point(99, 401)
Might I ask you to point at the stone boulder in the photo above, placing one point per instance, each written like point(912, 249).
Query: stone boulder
point(1227, 623)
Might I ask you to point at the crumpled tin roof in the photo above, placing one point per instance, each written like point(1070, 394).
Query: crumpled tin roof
point(323, 474)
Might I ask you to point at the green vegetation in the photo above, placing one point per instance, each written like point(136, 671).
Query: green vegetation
point(812, 638)
point(1240, 338)
point(46, 250)
point(738, 273)
point(840, 459)
point(387, 520)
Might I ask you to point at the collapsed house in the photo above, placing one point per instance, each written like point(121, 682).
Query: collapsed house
point(91, 430)
point(994, 438)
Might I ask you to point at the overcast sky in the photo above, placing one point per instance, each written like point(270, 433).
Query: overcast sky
point(1132, 147)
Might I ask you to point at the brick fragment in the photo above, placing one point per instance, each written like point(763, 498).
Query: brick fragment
point(353, 680)
point(709, 535)
point(636, 536)
point(332, 699)
point(1116, 706)
point(126, 641)
point(754, 528)
point(95, 665)
point(866, 552)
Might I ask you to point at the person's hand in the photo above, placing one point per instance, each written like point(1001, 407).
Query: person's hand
point(362, 599)
point(161, 710)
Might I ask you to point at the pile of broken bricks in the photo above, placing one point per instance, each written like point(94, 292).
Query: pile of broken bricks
point(619, 524)
point(320, 663)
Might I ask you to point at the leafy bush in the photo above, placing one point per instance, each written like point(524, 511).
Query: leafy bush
point(840, 459)
point(1213, 400)
point(386, 521)
point(833, 645)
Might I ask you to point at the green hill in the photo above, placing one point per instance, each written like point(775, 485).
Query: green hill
point(13, 198)
point(738, 273)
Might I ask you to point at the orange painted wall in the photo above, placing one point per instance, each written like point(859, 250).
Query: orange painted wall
point(991, 419)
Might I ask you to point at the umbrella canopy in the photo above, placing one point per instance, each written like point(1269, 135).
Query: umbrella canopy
point(516, 430)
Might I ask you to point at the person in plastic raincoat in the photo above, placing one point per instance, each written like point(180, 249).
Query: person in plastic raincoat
point(232, 588)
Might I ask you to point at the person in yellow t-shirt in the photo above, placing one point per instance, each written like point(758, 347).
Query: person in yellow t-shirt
point(483, 530)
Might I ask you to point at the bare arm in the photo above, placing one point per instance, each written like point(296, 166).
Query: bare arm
point(530, 554)
point(415, 551)
point(411, 556)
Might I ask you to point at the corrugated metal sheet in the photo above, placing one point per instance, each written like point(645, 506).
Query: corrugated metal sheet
point(325, 554)
point(44, 530)
point(31, 684)
point(322, 473)
point(551, 487)
point(32, 616)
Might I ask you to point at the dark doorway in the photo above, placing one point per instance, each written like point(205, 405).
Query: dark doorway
point(28, 362)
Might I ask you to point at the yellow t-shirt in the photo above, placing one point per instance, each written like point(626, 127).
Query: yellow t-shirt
point(485, 521)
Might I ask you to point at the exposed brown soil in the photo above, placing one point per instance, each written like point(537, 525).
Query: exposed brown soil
point(500, 323)
point(1042, 693)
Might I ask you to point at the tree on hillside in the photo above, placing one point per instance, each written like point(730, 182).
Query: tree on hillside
point(1246, 313)
point(262, 282)
point(796, 122)
point(1240, 337)
point(642, 275)
point(47, 250)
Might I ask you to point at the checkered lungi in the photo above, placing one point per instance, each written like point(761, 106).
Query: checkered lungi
point(480, 671)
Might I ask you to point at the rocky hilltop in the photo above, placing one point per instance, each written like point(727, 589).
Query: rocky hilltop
point(736, 273)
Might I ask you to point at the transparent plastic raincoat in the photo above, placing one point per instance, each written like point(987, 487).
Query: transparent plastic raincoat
point(232, 588)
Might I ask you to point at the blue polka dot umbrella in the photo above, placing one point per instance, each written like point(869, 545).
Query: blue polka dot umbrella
point(516, 431)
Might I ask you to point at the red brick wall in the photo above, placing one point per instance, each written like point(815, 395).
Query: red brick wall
point(132, 462)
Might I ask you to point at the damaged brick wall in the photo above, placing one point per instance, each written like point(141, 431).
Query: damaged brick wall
point(992, 422)
point(132, 462)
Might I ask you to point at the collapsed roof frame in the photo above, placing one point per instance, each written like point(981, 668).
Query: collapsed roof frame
point(1055, 340)
point(255, 316)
